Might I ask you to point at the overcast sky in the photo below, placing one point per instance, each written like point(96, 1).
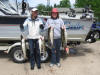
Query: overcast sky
point(34, 3)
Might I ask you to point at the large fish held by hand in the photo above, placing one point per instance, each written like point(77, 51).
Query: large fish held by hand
point(64, 40)
point(23, 46)
point(42, 47)
point(51, 36)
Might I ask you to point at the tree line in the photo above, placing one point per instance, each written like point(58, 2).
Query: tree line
point(93, 4)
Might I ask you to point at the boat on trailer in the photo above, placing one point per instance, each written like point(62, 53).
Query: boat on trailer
point(78, 22)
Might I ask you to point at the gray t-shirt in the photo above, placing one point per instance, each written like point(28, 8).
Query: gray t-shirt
point(56, 24)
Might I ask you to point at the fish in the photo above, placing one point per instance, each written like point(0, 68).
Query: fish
point(42, 47)
point(64, 40)
point(51, 37)
point(23, 46)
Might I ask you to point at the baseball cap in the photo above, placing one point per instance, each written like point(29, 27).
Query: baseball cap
point(54, 10)
point(34, 9)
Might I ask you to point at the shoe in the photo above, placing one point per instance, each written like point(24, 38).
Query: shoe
point(51, 65)
point(58, 64)
point(39, 67)
point(32, 68)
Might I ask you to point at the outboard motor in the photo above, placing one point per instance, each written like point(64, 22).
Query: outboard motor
point(72, 13)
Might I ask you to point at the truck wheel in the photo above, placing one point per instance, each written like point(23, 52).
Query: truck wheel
point(45, 56)
point(17, 55)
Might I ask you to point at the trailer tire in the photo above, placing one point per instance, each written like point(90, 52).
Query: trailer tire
point(46, 58)
point(17, 55)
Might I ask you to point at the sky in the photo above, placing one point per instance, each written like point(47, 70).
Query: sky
point(34, 3)
point(72, 3)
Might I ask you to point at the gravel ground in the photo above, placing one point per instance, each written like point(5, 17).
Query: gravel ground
point(85, 62)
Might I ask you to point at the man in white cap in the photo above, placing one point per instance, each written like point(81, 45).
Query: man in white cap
point(33, 24)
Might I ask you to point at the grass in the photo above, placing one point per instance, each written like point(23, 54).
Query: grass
point(98, 39)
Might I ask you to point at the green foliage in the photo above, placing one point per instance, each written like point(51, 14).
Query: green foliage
point(63, 3)
point(44, 9)
point(41, 7)
point(94, 5)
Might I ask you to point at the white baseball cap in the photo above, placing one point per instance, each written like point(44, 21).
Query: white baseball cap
point(34, 9)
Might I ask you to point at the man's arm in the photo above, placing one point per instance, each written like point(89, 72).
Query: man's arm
point(23, 28)
point(25, 24)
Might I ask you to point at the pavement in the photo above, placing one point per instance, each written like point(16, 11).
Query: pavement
point(85, 62)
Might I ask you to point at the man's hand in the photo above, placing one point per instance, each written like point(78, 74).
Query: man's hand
point(51, 27)
point(42, 37)
point(63, 27)
point(23, 37)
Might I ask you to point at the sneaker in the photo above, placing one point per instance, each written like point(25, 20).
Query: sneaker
point(51, 65)
point(39, 67)
point(58, 64)
point(32, 68)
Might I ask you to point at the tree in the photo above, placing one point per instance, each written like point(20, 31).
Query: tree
point(65, 3)
point(56, 6)
point(80, 3)
point(41, 7)
point(94, 4)
point(44, 9)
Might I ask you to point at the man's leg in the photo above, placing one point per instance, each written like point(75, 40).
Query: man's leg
point(37, 50)
point(31, 47)
point(58, 44)
point(53, 54)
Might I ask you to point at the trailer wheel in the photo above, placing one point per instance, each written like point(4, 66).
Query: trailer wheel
point(17, 55)
point(45, 57)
